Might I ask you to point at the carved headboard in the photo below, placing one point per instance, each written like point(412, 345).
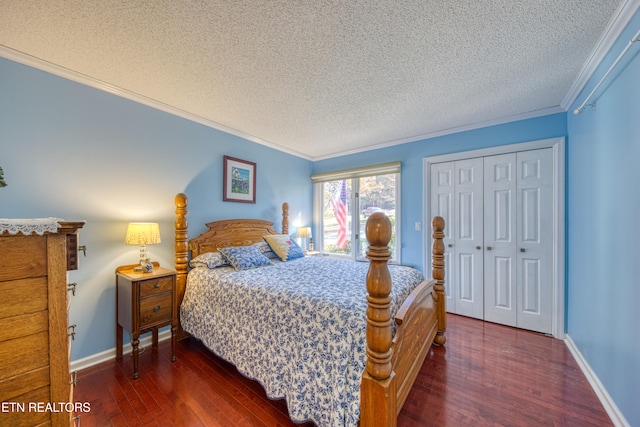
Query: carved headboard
point(231, 232)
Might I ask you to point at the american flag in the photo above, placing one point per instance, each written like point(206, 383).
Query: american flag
point(339, 204)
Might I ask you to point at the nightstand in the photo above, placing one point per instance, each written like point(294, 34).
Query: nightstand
point(144, 303)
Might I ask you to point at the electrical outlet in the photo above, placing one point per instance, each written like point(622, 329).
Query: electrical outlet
point(418, 226)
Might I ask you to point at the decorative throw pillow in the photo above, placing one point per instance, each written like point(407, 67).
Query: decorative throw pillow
point(244, 257)
point(265, 250)
point(210, 260)
point(284, 247)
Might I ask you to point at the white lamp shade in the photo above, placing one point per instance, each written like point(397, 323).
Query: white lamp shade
point(304, 232)
point(142, 233)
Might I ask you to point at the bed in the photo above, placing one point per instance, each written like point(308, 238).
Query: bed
point(339, 343)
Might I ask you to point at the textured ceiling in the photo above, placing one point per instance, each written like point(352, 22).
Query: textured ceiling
point(318, 78)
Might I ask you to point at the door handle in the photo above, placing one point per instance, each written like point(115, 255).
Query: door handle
point(478, 247)
point(522, 250)
point(450, 245)
point(489, 248)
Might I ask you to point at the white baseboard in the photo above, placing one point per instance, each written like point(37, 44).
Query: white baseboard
point(614, 413)
point(86, 362)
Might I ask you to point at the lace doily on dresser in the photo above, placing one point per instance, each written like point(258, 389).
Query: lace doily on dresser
point(29, 225)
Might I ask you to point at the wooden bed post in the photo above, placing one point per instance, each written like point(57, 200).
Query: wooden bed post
point(285, 218)
point(438, 274)
point(378, 389)
point(381, 383)
point(181, 250)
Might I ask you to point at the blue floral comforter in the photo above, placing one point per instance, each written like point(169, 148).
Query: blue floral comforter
point(297, 327)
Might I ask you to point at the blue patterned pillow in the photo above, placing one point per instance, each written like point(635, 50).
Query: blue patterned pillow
point(284, 247)
point(244, 257)
point(210, 260)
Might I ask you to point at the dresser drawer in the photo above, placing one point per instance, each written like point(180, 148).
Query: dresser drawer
point(155, 309)
point(22, 257)
point(24, 354)
point(23, 296)
point(155, 286)
point(28, 418)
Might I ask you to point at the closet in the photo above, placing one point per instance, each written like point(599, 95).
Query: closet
point(499, 211)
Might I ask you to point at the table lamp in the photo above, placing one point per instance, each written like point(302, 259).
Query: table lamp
point(303, 234)
point(143, 234)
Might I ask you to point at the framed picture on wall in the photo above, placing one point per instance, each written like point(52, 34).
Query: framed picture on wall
point(239, 180)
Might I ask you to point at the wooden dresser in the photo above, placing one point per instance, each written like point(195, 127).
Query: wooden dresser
point(36, 386)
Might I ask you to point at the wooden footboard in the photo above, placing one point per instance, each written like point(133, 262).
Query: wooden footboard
point(417, 328)
point(392, 366)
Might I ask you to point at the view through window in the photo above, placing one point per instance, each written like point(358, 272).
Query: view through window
point(348, 203)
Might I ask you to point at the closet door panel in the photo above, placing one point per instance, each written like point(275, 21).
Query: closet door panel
point(535, 237)
point(467, 242)
point(500, 239)
point(465, 278)
point(441, 203)
point(531, 287)
point(499, 298)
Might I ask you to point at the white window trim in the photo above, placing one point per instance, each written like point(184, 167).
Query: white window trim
point(381, 169)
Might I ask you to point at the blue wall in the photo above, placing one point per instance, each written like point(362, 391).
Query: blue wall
point(411, 155)
point(604, 228)
point(79, 153)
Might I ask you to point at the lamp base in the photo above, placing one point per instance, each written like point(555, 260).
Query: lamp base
point(146, 266)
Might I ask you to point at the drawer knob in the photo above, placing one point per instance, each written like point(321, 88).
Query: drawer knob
point(157, 286)
point(156, 309)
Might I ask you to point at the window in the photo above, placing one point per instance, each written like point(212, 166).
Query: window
point(344, 202)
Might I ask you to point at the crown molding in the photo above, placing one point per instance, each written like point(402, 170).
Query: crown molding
point(617, 24)
point(68, 74)
point(449, 131)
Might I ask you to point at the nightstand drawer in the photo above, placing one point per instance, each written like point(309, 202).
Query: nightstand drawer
point(155, 286)
point(155, 309)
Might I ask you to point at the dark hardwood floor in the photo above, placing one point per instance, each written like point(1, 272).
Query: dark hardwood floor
point(486, 375)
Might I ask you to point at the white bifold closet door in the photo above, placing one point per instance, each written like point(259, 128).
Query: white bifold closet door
point(499, 249)
point(457, 196)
